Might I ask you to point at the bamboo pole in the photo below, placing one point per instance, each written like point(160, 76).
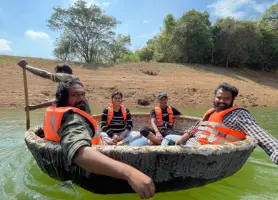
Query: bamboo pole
point(26, 99)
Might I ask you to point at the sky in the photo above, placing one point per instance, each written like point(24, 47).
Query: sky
point(24, 31)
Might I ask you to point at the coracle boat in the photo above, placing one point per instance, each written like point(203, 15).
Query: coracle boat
point(170, 167)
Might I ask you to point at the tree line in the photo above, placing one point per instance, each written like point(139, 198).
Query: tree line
point(192, 38)
point(87, 35)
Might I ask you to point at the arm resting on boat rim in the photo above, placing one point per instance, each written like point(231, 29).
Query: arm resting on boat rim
point(99, 163)
point(183, 138)
point(153, 120)
point(265, 140)
point(155, 127)
point(76, 134)
point(187, 134)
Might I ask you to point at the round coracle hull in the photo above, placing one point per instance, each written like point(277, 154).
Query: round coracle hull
point(170, 167)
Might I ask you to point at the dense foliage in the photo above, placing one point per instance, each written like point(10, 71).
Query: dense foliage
point(87, 34)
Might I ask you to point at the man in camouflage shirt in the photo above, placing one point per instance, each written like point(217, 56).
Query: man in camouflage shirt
point(76, 134)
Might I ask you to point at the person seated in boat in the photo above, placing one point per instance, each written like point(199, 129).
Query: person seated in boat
point(227, 122)
point(162, 121)
point(116, 122)
point(70, 124)
point(62, 73)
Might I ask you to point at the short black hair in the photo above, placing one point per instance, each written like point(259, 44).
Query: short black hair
point(116, 93)
point(63, 69)
point(162, 95)
point(62, 93)
point(227, 87)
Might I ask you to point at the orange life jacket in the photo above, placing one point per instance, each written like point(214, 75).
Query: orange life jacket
point(110, 113)
point(158, 114)
point(212, 130)
point(53, 119)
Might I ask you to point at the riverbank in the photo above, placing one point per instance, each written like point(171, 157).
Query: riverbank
point(186, 85)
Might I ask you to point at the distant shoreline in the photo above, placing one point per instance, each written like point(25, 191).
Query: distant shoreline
point(188, 86)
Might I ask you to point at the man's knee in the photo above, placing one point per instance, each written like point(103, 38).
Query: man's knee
point(135, 134)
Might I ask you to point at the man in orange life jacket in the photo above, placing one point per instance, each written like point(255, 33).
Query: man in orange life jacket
point(75, 130)
point(226, 122)
point(162, 121)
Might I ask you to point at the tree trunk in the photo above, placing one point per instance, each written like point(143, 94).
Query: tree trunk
point(227, 59)
point(263, 64)
point(211, 62)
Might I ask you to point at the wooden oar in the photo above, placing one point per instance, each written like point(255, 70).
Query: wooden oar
point(26, 99)
point(41, 105)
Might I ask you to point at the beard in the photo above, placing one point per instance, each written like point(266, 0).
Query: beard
point(222, 106)
point(83, 106)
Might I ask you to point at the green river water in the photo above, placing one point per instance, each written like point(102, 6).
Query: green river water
point(21, 178)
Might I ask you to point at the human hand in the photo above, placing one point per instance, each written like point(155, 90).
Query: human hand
point(116, 138)
point(179, 141)
point(111, 142)
point(22, 64)
point(141, 184)
point(158, 135)
point(122, 137)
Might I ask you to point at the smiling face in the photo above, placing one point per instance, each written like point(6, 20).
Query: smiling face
point(77, 97)
point(223, 100)
point(117, 100)
point(163, 102)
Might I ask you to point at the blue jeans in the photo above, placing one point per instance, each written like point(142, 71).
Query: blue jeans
point(132, 135)
point(144, 142)
point(139, 142)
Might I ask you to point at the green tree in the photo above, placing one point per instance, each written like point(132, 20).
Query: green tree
point(193, 37)
point(119, 46)
point(269, 44)
point(169, 24)
point(130, 57)
point(87, 27)
point(270, 18)
point(164, 49)
point(64, 49)
point(145, 54)
point(232, 39)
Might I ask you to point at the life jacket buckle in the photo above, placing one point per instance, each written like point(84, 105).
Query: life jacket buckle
point(211, 138)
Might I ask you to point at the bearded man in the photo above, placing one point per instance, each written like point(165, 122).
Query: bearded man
point(226, 122)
